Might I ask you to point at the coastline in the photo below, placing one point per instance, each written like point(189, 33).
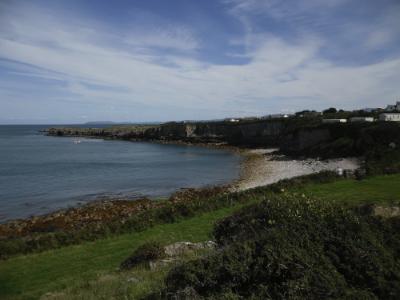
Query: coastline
point(262, 167)
point(100, 218)
point(258, 167)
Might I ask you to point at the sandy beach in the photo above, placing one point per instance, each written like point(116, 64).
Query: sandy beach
point(263, 167)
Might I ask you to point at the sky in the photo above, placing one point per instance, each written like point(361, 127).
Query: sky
point(76, 61)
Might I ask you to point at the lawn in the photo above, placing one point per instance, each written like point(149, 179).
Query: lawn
point(30, 276)
point(379, 189)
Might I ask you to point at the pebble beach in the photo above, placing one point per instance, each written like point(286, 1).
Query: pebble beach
point(263, 167)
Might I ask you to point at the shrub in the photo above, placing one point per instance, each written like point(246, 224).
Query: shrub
point(383, 161)
point(145, 253)
point(290, 248)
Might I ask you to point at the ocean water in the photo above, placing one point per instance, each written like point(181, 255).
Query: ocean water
point(40, 174)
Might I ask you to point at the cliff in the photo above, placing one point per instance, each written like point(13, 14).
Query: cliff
point(259, 133)
point(293, 136)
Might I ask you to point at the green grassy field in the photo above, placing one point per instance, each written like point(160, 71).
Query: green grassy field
point(30, 276)
point(379, 189)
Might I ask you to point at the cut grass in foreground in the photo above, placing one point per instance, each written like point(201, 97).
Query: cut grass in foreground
point(30, 276)
point(380, 189)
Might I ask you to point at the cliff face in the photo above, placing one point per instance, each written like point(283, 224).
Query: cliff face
point(294, 136)
point(279, 133)
point(304, 139)
point(257, 133)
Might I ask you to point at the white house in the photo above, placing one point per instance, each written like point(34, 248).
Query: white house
point(390, 107)
point(394, 117)
point(361, 119)
point(329, 121)
point(232, 120)
point(393, 107)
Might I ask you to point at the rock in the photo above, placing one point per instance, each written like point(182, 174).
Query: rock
point(209, 245)
point(187, 293)
point(380, 210)
point(349, 173)
point(156, 264)
point(132, 280)
point(360, 173)
point(52, 295)
point(180, 248)
point(386, 211)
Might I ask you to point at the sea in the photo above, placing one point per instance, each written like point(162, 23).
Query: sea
point(40, 174)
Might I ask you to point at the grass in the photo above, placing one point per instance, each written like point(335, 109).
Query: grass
point(383, 189)
point(30, 276)
point(132, 284)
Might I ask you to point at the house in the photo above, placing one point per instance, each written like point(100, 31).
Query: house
point(370, 109)
point(307, 113)
point(276, 116)
point(395, 107)
point(361, 119)
point(390, 108)
point(329, 121)
point(393, 117)
point(232, 120)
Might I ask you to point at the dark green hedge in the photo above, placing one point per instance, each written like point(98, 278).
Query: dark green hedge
point(292, 248)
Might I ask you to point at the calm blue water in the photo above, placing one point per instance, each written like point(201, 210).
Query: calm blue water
point(39, 174)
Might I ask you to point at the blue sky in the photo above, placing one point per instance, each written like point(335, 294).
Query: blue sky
point(83, 60)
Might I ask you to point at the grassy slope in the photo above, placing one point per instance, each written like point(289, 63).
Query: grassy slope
point(30, 276)
point(33, 275)
point(380, 189)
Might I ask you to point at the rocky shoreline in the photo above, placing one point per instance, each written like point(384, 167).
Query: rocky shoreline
point(94, 214)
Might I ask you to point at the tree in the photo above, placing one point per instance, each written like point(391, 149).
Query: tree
point(330, 110)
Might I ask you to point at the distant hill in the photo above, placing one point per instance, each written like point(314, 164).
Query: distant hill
point(101, 122)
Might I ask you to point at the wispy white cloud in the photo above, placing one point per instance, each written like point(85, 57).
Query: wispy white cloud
point(172, 37)
point(102, 69)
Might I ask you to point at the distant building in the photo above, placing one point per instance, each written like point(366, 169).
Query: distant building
point(361, 119)
point(395, 107)
point(307, 113)
point(390, 108)
point(329, 121)
point(390, 117)
point(249, 118)
point(276, 116)
point(370, 109)
point(232, 120)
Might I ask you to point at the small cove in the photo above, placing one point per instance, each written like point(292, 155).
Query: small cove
point(40, 174)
